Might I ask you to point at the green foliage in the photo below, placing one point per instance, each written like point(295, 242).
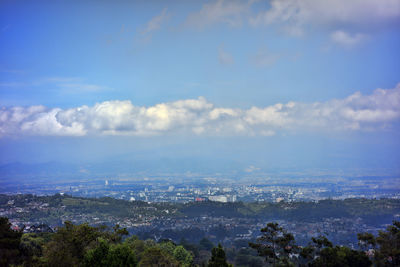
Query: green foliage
point(366, 240)
point(156, 257)
point(114, 255)
point(31, 247)
point(9, 243)
point(138, 246)
point(121, 255)
point(218, 257)
point(184, 257)
point(246, 257)
point(206, 244)
point(341, 257)
point(310, 252)
point(167, 246)
point(320, 252)
point(386, 245)
point(275, 245)
point(77, 245)
point(97, 256)
point(70, 243)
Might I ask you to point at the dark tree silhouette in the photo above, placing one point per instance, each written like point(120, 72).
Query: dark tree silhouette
point(9, 243)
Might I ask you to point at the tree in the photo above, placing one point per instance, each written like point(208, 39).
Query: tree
point(156, 257)
point(275, 245)
point(218, 257)
point(97, 256)
point(31, 247)
point(366, 241)
point(206, 244)
point(307, 254)
point(70, 243)
point(121, 255)
point(386, 245)
point(9, 243)
point(340, 257)
point(106, 255)
point(118, 233)
point(321, 253)
point(184, 257)
point(248, 257)
point(167, 246)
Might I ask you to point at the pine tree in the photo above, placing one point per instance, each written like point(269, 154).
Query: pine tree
point(218, 258)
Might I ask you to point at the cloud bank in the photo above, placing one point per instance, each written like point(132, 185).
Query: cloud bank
point(377, 111)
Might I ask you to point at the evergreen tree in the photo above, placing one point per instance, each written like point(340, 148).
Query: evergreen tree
point(218, 257)
point(275, 245)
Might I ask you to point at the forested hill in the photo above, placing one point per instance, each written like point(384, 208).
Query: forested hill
point(302, 211)
point(196, 226)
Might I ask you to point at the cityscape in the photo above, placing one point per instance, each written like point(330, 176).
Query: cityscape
point(220, 189)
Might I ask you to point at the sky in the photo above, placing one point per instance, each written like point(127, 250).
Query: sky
point(252, 85)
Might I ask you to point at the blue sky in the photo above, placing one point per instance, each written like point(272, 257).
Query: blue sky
point(255, 81)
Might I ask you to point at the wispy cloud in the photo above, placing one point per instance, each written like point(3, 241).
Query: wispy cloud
point(57, 80)
point(155, 23)
point(330, 12)
point(65, 84)
point(346, 39)
point(220, 11)
point(294, 16)
point(69, 84)
point(357, 112)
point(82, 87)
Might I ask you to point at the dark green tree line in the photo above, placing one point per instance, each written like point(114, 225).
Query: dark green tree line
point(85, 245)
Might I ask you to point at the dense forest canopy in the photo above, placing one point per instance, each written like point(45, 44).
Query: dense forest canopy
point(85, 245)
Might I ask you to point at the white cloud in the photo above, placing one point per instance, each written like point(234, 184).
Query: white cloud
point(295, 17)
point(366, 16)
point(221, 11)
point(156, 22)
point(330, 12)
point(380, 110)
point(345, 39)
